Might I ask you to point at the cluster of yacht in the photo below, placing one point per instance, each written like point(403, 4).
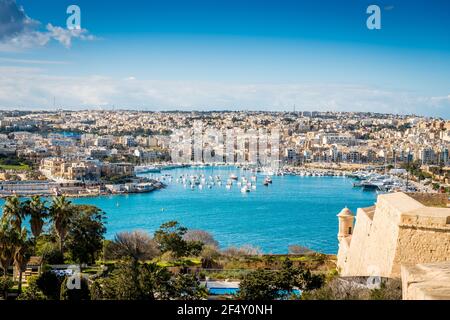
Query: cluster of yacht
point(381, 183)
point(201, 181)
point(303, 172)
point(317, 173)
point(142, 169)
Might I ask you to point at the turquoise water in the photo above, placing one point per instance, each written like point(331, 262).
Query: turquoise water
point(293, 210)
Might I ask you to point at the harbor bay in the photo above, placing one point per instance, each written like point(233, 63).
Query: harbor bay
point(293, 210)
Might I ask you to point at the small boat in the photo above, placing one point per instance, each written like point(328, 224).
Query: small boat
point(233, 177)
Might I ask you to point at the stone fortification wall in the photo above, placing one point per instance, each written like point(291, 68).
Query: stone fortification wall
point(399, 231)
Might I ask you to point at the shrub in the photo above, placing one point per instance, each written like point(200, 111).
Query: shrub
point(338, 289)
point(200, 236)
point(208, 256)
point(169, 256)
point(82, 293)
point(299, 250)
point(136, 245)
point(389, 290)
point(246, 250)
point(50, 284)
point(5, 285)
point(32, 291)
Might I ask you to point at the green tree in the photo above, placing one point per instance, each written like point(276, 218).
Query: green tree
point(305, 280)
point(132, 281)
point(9, 239)
point(61, 211)
point(13, 211)
point(287, 277)
point(49, 251)
point(156, 281)
point(270, 285)
point(6, 252)
point(38, 212)
point(187, 287)
point(22, 254)
point(145, 281)
point(194, 248)
point(259, 285)
point(85, 233)
point(169, 237)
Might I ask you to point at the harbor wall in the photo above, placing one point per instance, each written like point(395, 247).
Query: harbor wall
point(398, 231)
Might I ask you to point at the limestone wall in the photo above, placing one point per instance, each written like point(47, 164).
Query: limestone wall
point(353, 259)
point(426, 281)
point(402, 231)
point(424, 237)
point(344, 246)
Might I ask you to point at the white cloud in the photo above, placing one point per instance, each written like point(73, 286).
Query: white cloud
point(19, 32)
point(65, 36)
point(33, 61)
point(33, 88)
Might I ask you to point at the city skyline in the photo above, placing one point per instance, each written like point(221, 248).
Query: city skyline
point(227, 56)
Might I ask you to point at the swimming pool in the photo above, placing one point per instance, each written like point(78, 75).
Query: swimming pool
point(234, 291)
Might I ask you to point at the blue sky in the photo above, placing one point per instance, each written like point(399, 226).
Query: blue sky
point(247, 54)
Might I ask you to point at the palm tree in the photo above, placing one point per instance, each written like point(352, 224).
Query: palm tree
point(38, 212)
point(13, 212)
point(21, 255)
point(8, 241)
point(61, 211)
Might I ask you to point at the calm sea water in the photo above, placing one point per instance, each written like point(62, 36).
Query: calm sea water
point(293, 210)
